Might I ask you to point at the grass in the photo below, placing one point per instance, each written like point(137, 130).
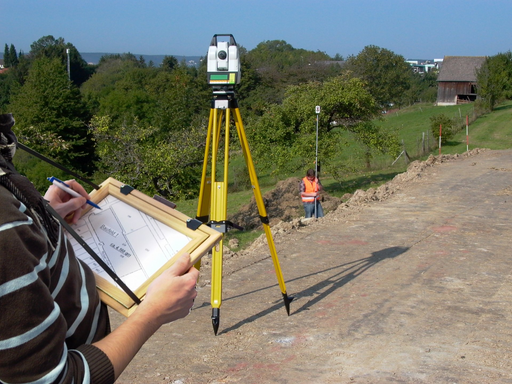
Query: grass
point(493, 131)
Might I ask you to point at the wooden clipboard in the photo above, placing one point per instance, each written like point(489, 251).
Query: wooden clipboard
point(139, 238)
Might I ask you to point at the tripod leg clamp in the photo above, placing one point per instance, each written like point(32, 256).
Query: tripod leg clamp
point(265, 220)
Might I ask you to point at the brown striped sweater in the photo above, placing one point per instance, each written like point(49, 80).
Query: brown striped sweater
point(50, 312)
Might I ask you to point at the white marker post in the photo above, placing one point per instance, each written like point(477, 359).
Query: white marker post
point(317, 111)
point(467, 134)
point(440, 129)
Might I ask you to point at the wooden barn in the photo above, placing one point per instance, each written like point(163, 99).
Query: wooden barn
point(456, 82)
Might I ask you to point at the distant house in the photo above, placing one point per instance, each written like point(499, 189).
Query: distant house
point(456, 82)
point(2, 67)
point(423, 66)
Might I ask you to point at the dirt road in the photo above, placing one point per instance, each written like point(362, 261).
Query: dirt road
point(411, 283)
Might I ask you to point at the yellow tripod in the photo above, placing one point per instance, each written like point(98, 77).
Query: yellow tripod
point(213, 195)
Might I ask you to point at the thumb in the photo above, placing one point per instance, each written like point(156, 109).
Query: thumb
point(181, 266)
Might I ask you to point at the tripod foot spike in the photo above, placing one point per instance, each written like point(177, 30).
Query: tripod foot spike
point(215, 319)
point(287, 300)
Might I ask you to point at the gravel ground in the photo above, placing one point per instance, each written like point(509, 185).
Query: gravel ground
point(406, 283)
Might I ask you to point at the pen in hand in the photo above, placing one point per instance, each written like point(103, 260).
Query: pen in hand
point(66, 188)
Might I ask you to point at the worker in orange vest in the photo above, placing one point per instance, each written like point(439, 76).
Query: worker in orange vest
point(309, 189)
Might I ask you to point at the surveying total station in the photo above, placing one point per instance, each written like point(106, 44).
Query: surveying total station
point(223, 73)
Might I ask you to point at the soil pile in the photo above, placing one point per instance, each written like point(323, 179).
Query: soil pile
point(283, 203)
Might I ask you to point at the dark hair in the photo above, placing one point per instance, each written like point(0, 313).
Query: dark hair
point(310, 172)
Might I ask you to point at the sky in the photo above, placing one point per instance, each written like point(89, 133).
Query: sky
point(429, 29)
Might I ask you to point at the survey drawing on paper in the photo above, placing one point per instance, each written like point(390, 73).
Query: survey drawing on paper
point(133, 244)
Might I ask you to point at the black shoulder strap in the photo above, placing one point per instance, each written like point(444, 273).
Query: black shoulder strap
point(57, 165)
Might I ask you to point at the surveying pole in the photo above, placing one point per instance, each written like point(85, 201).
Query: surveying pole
point(317, 111)
point(223, 73)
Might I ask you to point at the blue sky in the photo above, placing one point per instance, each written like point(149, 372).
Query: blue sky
point(411, 28)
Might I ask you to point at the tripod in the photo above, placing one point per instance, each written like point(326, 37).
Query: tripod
point(213, 194)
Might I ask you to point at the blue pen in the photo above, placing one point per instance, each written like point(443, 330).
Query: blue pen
point(66, 188)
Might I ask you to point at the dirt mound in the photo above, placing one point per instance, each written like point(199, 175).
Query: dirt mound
point(283, 203)
point(414, 171)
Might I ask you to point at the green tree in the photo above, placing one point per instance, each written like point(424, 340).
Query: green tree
point(385, 73)
point(51, 117)
point(13, 57)
point(150, 124)
point(284, 137)
point(423, 88)
point(110, 70)
point(7, 61)
point(169, 63)
point(494, 80)
point(50, 47)
point(168, 166)
point(158, 97)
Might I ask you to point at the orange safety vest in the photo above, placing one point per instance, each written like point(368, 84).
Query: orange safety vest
point(310, 187)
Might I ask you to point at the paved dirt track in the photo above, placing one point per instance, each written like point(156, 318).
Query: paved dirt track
point(414, 288)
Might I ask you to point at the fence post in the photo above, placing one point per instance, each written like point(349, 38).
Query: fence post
point(467, 133)
point(440, 129)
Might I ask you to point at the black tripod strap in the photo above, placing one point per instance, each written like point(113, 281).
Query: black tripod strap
point(57, 165)
point(91, 252)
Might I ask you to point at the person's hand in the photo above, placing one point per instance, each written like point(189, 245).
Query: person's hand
point(67, 206)
point(171, 295)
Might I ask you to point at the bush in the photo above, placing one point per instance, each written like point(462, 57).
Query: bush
point(448, 125)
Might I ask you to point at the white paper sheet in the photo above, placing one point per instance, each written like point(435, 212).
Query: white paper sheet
point(130, 242)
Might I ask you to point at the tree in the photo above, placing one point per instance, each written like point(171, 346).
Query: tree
point(494, 79)
point(169, 63)
point(13, 57)
point(168, 166)
point(7, 61)
point(385, 73)
point(51, 117)
point(150, 124)
point(279, 65)
point(10, 56)
point(164, 99)
point(289, 129)
point(50, 47)
point(423, 88)
point(110, 70)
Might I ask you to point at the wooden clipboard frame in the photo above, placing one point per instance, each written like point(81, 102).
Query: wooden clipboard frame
point(203, 239)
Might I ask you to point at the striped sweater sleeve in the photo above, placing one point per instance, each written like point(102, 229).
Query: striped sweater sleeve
point(51, 313)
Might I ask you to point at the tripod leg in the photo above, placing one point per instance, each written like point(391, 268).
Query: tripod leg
point(261, 206)
point(219, 197)
point(203, 206)
point(217, 257)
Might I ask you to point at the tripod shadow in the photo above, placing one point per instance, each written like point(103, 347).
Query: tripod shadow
point(342, 275)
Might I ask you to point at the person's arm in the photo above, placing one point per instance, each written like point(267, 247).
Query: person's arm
point(169, 297)
point(41, 289)
point(319, 185)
